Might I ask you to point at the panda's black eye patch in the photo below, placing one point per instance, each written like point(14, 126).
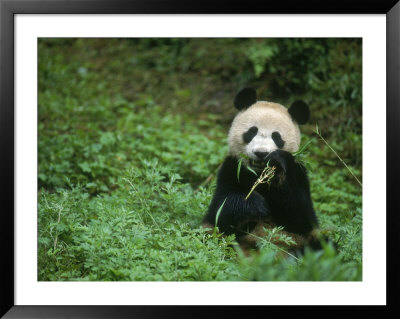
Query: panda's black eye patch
point(278, 139)
point(249, 135)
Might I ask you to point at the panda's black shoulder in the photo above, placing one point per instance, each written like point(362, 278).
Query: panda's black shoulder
point(228, 167)
point(230, 163)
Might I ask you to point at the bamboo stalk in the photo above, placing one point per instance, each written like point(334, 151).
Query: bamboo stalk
point(266, 176)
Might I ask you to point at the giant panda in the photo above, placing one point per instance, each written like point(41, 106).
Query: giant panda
point(264, 132)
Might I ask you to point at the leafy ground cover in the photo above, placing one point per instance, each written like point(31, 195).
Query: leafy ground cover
point(132, 132)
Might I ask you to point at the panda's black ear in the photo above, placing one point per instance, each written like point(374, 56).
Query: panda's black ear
point(245, 98)
point(300, 112)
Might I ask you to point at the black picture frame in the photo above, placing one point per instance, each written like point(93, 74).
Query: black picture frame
point(8, 10)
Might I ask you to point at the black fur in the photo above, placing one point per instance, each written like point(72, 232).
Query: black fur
point(300, 112)
point(285, 202)
point(278, 139)
point(290, 197)
point(245, 98)
point(249, 135)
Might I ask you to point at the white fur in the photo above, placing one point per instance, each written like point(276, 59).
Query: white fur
point(268, 117)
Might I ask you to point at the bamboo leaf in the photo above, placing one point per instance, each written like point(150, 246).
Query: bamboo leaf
point(303, 148)
point(238, 169)
point(251, 170)
point(219, 212)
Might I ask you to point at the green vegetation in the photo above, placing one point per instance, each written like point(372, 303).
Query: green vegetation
point(132, 132)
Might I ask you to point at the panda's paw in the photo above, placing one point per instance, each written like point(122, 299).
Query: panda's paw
point(280, 160)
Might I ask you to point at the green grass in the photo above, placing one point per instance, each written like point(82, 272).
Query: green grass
point(132, 132)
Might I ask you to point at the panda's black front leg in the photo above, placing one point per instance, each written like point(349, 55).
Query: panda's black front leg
point(289, 194)
point(236, 213)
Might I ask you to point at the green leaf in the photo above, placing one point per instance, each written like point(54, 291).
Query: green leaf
point(219, 212)
point(303, 148)
point(251, 170)
point(238, 169)
point(85, 167)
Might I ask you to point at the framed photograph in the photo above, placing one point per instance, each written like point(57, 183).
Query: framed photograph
point(128, 130)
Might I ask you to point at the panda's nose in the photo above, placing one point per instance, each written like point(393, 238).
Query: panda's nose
point(261, 155)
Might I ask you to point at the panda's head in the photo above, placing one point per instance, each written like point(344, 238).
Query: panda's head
point(263, 127)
